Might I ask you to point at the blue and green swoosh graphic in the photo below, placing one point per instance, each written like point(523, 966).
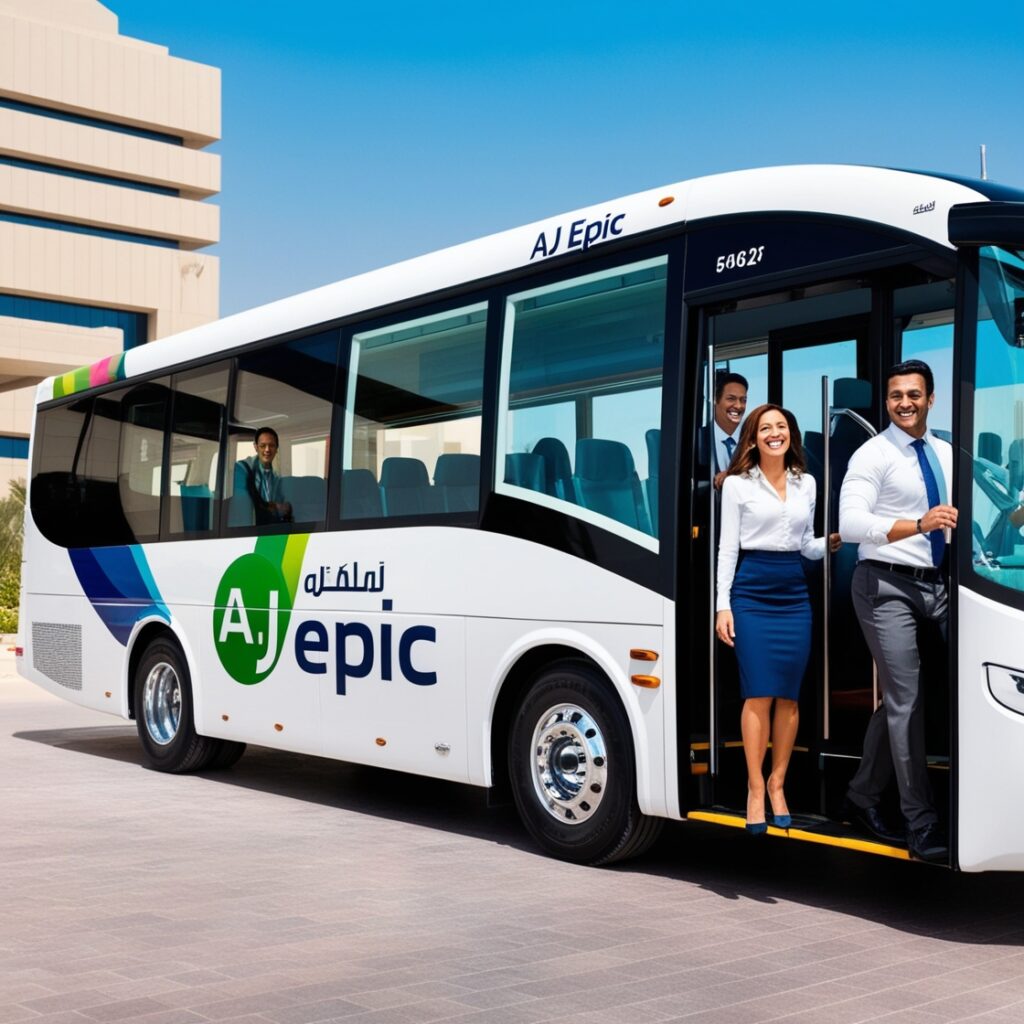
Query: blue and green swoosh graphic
point(120, 587)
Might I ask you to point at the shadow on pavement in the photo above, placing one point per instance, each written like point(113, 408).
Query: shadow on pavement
point(913, 898)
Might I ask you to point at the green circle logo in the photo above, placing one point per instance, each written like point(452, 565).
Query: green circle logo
point(250, 619)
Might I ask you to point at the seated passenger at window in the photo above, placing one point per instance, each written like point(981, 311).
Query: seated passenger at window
point(257, 481)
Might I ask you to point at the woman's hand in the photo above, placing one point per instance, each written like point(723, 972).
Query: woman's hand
point(724, 628)
point(835, 542)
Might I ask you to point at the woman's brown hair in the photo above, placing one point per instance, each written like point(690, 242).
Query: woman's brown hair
point(747, 453)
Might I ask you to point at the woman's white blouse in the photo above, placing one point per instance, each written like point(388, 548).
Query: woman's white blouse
point(755, 518)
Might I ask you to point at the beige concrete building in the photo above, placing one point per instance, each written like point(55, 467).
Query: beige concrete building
point(104, 189)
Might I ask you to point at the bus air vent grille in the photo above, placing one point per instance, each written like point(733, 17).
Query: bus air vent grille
point(57, 653)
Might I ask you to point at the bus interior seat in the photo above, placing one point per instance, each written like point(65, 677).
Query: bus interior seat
point(240, 508)
point(525, 469)
point(307, 495)
point(990, 447)
point(1015, 466)
point(457, 481)
point(360, 495)
point(405, 487)
point(606, 481)
point(653, 438)
point(196, 507)
point(557, 468)
point(846, 434)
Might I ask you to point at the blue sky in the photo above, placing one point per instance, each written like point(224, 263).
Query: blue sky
point(355, 135)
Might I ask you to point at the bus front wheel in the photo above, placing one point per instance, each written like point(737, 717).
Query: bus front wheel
point(573, 771)
point(164, 719)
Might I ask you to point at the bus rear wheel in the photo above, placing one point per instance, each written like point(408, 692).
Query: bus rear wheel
point(572, 769)
point(164, 718)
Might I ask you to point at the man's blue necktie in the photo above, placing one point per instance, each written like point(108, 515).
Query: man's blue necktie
point(730, 444)
point(936, 538)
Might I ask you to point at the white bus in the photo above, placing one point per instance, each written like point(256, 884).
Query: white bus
point(492, 556)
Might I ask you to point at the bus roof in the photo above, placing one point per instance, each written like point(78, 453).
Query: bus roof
point(913, 201)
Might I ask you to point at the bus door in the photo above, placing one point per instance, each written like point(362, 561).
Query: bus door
point(819, 366)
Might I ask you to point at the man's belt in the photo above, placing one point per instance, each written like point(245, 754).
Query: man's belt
point(919, 572)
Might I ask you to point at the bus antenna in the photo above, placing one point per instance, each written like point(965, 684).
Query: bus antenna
point(984, 164)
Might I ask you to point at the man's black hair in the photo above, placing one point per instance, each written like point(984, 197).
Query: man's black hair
point(266, 430)
point(724, 378)
point(912, 366)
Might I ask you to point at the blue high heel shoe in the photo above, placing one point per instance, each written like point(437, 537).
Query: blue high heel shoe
point(756, 828)
point(778, 820)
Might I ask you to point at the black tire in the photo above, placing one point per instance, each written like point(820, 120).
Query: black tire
point(573, 770)
point(163, 712)
point(228, 752)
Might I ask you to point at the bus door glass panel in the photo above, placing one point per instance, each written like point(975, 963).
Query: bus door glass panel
point(850, 676)
point(412, 417)
point(579, 425)
point(197, 429)
point(141, 464)
point(290, 389)
point(924, 329)
point(783, 344)
point(997, 442)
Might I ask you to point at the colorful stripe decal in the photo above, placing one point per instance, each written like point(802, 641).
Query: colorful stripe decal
point(287, 552)
point(105, 371)
point(120, 586)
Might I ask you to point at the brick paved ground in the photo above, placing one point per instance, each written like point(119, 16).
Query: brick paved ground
point(292, 891)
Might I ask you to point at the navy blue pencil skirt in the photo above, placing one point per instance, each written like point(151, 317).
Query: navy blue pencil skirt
point(772, 615)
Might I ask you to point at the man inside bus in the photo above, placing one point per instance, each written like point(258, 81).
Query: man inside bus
point(257, 498)
point(730, 406)
point(893, 503)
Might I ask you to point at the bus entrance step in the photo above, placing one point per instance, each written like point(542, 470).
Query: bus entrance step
point(806, 828)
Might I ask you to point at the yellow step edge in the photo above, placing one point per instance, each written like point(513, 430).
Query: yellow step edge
point(863, 845)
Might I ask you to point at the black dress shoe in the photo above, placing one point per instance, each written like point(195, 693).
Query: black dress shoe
point(928, 843)
point(870, 818)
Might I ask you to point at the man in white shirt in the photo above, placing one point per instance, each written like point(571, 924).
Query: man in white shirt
point(894, 504)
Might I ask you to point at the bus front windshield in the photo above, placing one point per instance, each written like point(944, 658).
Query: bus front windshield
point(997, 527)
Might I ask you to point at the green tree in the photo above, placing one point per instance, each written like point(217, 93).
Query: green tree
point(12, 524)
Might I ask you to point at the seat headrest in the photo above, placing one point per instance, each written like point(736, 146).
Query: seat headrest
point(851, 393)
point(555, 454)
point(600, 459)
point(358, 482)
point(398, 471)
point(454, 469)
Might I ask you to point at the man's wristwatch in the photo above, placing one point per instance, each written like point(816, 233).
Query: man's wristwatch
point(919, 526)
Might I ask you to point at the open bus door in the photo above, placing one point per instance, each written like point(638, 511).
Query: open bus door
point(822, 353)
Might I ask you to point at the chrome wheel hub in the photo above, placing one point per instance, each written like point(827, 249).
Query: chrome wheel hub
point(161, 703)
point(570, 763)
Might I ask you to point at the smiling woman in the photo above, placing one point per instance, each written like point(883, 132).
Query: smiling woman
point(764, 610)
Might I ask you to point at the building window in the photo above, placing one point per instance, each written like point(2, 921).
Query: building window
point(102, 179)
point(13, 447)
point(92, 122)
point(133, 326)
point(87, 229)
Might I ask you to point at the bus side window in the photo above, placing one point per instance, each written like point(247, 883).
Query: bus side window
point(197, 426)
point(412, 417)
point(140, 469)
point(580, 413)
point(288, 388)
